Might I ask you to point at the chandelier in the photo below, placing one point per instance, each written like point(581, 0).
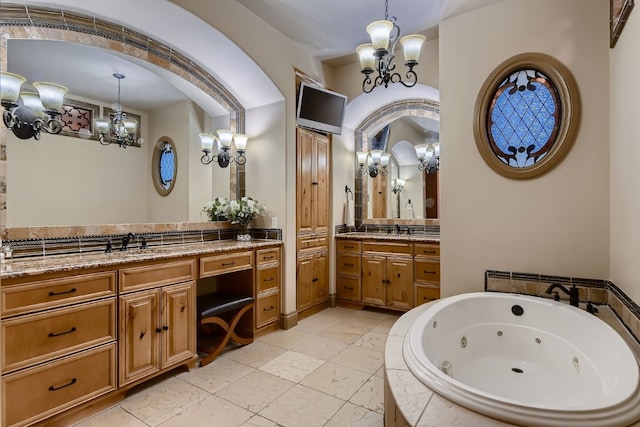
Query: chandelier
point(375, 162)
point(38, 111)
point(377, 56)
point(118, 129)
point(428, 157)
point(224, 157)
point(397, 186)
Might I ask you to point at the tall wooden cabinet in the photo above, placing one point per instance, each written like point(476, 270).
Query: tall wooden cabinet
point(312, 218)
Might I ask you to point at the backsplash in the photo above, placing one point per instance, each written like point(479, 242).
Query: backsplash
point(386, 225)
point(598, 292)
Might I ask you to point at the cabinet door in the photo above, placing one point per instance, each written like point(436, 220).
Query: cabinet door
point(400, 281)
point(304, 287)
point(320, 205)
point(374, 279)
point(305, 179)
point(320, 278)
point(139, 335)
point(178, 323)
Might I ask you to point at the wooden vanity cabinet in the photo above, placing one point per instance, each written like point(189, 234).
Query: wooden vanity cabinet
point(58, 343)
point(267, 307)
point(312, 279)
point(348, 270)
point(157, 317)
point(387, 274)
point(426, 272)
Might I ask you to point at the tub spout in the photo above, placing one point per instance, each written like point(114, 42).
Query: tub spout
point(573, 293)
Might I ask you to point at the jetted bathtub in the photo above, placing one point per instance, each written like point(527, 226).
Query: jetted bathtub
point(525, 360)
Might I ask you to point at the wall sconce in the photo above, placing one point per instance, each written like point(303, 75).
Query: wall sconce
point(397, 186)
point(429, 157)
point(38, 112)
point(223, 139)
point(119, 129)
point(376, 161)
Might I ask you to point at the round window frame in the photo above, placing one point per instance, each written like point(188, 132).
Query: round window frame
point(155, 166)
point(569, 100)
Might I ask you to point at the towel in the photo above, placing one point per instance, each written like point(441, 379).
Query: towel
point(408, 210)
point(349, 220)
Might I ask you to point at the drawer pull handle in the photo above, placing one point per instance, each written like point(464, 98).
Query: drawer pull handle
point(51, 334)
point(270, 279)
point(53, 294)
point(429, 272)
point(314, 183)
point(268, 308)
point(72, 382)
point(267, 257)
point(350, 288)
point(348, 247)
point(315, 279)
point(430, 252)
point(225, 264)
point(348, 265)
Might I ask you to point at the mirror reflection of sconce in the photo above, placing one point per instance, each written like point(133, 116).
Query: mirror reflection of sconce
point(429, 157)
point(224, 157)
point(397, 186)
point(376, 162)
point(38, 112)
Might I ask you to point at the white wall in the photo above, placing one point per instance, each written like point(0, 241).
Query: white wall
point(554, 224)
point(625, 152)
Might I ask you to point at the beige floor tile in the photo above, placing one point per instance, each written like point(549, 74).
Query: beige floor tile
point(360, 358)
point(320, 347)
point(256, 390)
point(292, 366)
point(111, 417)
point(212, 411)
point(346, 333)
point(216, 375)
point(380, 372)
point(371, 395)
point(163, 400)
point(336, 380)
point(355, 416)
point(302, 407)
point(372, 341)
point(284, 338)
point(314, 325)
point(385, 325)
point(258, 421)
point(255, 354)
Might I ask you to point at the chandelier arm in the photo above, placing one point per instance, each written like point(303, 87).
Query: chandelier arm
point(412, 79)
point(241, 159)
point(9, 118)
point(206, 159)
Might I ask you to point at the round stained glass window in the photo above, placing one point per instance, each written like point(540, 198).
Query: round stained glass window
point(527, 116)
point(164, 166)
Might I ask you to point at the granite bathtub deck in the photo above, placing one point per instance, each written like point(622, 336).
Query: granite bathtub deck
point(59, 263)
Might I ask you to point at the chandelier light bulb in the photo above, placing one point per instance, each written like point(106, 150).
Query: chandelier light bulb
point(51, 95)
point(32, 100)
point(379, 32)
point(411, 46)
point(367, 58)
point(10, 86)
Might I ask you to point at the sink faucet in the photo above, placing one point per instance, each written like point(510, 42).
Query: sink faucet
point(397, 229)
point(126, 240)
point(573, 293)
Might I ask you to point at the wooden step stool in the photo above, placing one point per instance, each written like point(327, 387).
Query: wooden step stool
point(225, 310)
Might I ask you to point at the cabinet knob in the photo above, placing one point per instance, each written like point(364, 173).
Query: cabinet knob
point(158, 330)
point(165, 328)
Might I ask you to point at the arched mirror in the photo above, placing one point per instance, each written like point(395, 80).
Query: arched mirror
point(68, 177)
point(408, 188)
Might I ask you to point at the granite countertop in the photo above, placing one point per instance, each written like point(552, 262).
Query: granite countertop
point(57, 263)
point(417, 237)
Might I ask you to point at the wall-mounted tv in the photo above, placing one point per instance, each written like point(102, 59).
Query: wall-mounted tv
point(320, 109)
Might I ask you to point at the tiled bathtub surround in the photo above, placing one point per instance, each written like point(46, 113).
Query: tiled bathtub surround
point(599, 292)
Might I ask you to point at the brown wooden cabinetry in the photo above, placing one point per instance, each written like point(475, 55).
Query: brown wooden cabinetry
point(311, 279)
point(348, 270)
point(267, 291)
point(426, 273)
point(157, 324)
point(387, 280)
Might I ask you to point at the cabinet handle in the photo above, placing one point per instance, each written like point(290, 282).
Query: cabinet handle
point(314, 280)
point(165, 328)
point(270, 279)
point(51, 334)
point(267, 257)
point(53, 294)
point(430, 252)
point(224, 264)
point(348, 265)
point(72, 382)
point(429, 272)
point(314, 183)
point(268, 308)
point(348, 247)
point(350, 288)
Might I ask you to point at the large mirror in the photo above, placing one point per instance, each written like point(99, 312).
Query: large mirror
point(406, 191)
point(66, 180)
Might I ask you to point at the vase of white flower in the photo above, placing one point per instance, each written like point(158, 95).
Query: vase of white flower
point(217, 209)
point(241, 212)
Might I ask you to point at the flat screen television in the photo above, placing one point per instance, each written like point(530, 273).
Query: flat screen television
point(320, 109)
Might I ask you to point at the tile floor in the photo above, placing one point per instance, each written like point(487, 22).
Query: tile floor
point(326, 371)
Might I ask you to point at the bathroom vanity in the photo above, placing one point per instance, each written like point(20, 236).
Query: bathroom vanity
point(393, 271)
point(80, 330)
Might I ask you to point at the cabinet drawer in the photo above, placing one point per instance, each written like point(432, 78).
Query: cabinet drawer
point(157, 274)
point(267, 309)
point(268, 278)
point(348, 264)
point(33, 394)
point(348, 246)
point(306, 242)
point(392, 248)
point(427, 270)
point(265, 256)
point(425, 294)
point(36, 338)
point(348, 288)
point(222, 264)
point(427, 250)
point(45, 294)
